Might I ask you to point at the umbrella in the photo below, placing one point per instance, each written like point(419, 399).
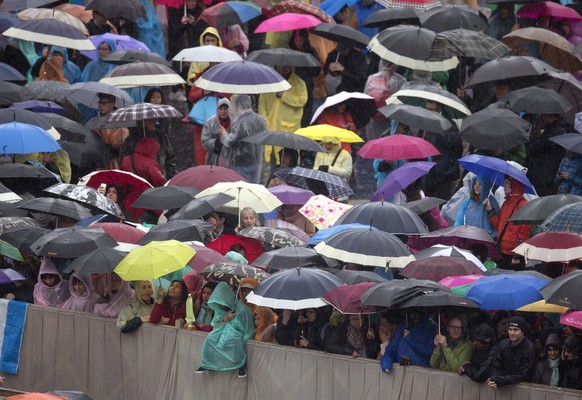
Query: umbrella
point(287, 22)
point(40, 106)
point(198, 208)
point(177, 229)
point(142, 74)
point(418, 94)
point(282, 56)
point(346, 299)
point(398, 147)
point(230, 13)
point(368, 247)
point(325, 233)
point(54, 206)
point(9, 73)
point(438, 299)
point(423, 205)
point(440, 250)
point(541, 306)
point(71, 394)
point(232, 273)
point(350, 277)
point(21, 138)
point(11, 93)
point(289, 257)
point(323, 212)
point(8, 250)
point(454, 281)
point(288, 228)
point(42, 13)
point(551, 247)
point(495, 170)
point(165, 197)
point(154, 260)
point(204, 257)
point(564, 290)
point(509, 68)
point(87, 155)
point(143, 111)
point(437, 268)
point(8, 275)
point(419, 5)
point(466, 43)
point(399, 179)
point(24, 177)
point(569, 141)
point(336, 186)
point(285, 139)
point(505, 292)
point(385, 18)
point(130, 56)
point(565, 219)
point(572, 318)
point(341, 33)
point(291, 195)
point(448, 17)
point(204, 176)
point(207, 53)
point(294, 289)
point(70, 130)
point(120, 232)
point(223, 244)
point(495, 129)
point(536, 100)
point(244, 77)
point(50, 31)
point(357, 100)
point(385, 216)
point(103, 259)
point(71, 242)
point(122, 42)
point(461, 236)
point(323, 131)
point(87, 93)
point(409, 46)
point(76, 11)
point(548, 8)
point(394, 292)
point(271, 237)
point(537, 210)
point(299, 7)
point(22, 238)
point(566, 85)
point(49, 90)
point(13, 114)
point(8, 224)
point(8, 196)
point(530, 272)
point(86, 196)
point(417, 117)
point(127, 9)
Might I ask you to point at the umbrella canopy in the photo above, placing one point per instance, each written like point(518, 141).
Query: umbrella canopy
point(398, 147)
point(495, 129)
point(232, 273)
point(565, 84)
point(423, 205)
point(448, 17)
point(552, 247)
point(121, 42)
point(11, 93)
point(336, 186)
point(550, 9)
point(564, 290)
point(25, 177)
point(230, 13)
point(409, 46)
point(440, 250)
point(565, 219)
point(8, 224)
point(288, 22)
point(438, 299)
point(466, 43)
point(142, 74)
point(21, 138)
point(8, 250)
point(366, 247)
point(508, 68)
point(385, 18)
point(325, 233)
point(341, 33)
point(569, 141)
point(362, 100)
point(437, 268)
point(204, 176)
point(289, 228)
point(245, 195)
point(505, 292)
point(204, 257)
point(417, 117)
point(41, 13)
point(350, 277)
point(154, 260)
point(130, 56)
point(282, 56)
point(252, 246)
point(8, 196)
point(165, 197)
point(101, 260)
point(385, 216)
point(322, 211)
point(542, 307)
point(22, 238)
point(198, 208)
point(495, 170)
point(346, 299)
point(54, 206)
point(537, 210)
point(9, 73)
point(70, 130)
point(128, 9)
point(8, 275)
point(399, 179)
point(572, 318)
point(86, 196)
point(418, 94)
point(87, 93)
point(294, 289)
point(289, 257)
point(71, 242)
point(454, 281)
point(392, 293)
point(271, 237)
point(285, 139)
point(207, 53)
point(299, 7)
point(322, 131)
point(291, 195)
point(536, 100)
point(50, 31)
point(178, 229)
point(49, 90)
point(244, 77)
point(14, 114)
point(120, 232)
point(143, 111)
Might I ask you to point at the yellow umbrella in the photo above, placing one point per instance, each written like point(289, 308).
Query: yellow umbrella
point(154, 260)
point(543, 307)
point(320, 132)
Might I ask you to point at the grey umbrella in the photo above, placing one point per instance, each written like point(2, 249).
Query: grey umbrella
point(13, 93)
point(197, 208)
point(536, 100)
point(569, 141)
point(341, 33)
point(394, 292)
point(178, 229)
point(54, 206)
point(449, 17)
point(282, 56)
point(537, 210)
point(509, 68)
point(565, 219)
point(386, 18)
point(165, 197)
point(129, 56)
point(71, 242)
point(86, 93)
point(285, 139)
point(417, 117)
point(70, 130)
point(103, 259)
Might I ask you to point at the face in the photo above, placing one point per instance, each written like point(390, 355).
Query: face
point(284, 70)
point(150, 124)
point(222, 112)
point(299, 41)
point(329, 146)
point(385, 325)
point(567, 355)
point(515, 334)
point(104, 50)
point(402, 128)
point(477, 344)
point(190, 4)
point(112, 194)
point(49, 279)
point(431, 106)
point(248, 219)
point(502, 327)
point(175, 290)
point(311, 314)
point(501, 90)
point(507, 186)
point(106, 106)
point(156, 98)
point(552, 352)
point(146, 292)
point(210, 40)
point(116, 283)
point(79, 288)
point(355, 321)
point(206, 293)
point(455, 328)
point(477, 187)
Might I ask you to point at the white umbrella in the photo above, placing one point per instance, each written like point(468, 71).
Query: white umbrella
point(40, 13)
point(449, 251)
point(337, 99)
point(50, 31)
point(207, 53)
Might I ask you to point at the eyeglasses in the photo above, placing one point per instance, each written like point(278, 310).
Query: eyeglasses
point(105, 102)
point(455, 327)
point(103, 49)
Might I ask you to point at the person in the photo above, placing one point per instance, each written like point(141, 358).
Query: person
point(182, 22)
point(339, 116)
point(99, 25)
point(248, 219)
point(51, 70)
point(570, 368)
point(290, 213)
point(345, 70)
point(95, 69)
point(234, 39)
point(481, 251)
point(71, 71)
point(309, 331)
point(83, 297)
point(335, 160)
point(453, 349)
point(209, 37)
point(354, 337)
point(212, 129)
point(386, 329)
point(154, 96)
point(473, 211)
point(569, 175)
point(51, 290)
point(216, 219)
point(119, 295)
point(244, 158)
point(500, 322)
point(203, 313)
point(264, 320)
point(171, 308)
point(237, 253)
point(514, 357)
point(484, 341)
point(547, 371)
point(245, 287)
point(233, 323)
point(384, 83)
point(138, 310)
point(502, 21)
point(143, 162)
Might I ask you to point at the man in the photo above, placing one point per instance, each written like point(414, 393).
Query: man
point(483, 351)
point(345, 70)
point(213, 129)
point(514, 357)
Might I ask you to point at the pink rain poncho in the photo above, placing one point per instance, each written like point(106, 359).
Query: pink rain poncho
point(50, 296)
point(117, 301)
point(85, 302)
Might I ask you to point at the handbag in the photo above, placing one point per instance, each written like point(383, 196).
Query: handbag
point(204, 109)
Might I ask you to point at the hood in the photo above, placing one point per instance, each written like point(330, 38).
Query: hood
point(62, 50)
point(467, 180)
point(48, 267)
point(214, 32)
point(517, 188)
point(484, 333)
point(86, 279)
point(331, 139)
point(147, 147)
point(485, 187)
point(222, 102)
point(138, 287)
point(222, 296)
point(111, 44)
point(552, 339)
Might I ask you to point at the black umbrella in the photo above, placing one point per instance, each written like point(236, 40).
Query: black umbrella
point(536, 100)
point(28, 117)
point(419, 94)
point(423, 205)
point(88, 155)
point(448, 17)
point(289, 257)
point(85, 196)
point(282, 56)
point(350, 277)
point(8, 224)
point(9, 73)
point(182, 230)
point(271, 237)
point(565, 290)
point(129, 56)
point(386, 18)
point(537, 210)
point(70, 130)
point(417, 117)
point(465, 43)
point(198, 208)
point(54, 206)
point(341, 33)
point(285, 139)
point(87, 93)
point(165, 197)
point(103, 259)
point(509, 68)
point(394, 292)
point(128, 9)
point(495, 129)
point(568, 86)
point(22, 238)
point(72, 242)
point(438, 299)
point(8, 196)
point(25, 177)
point(13, 93)
point(569, 141)
point(232, 273)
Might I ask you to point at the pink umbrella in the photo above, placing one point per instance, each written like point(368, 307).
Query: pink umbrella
point(323, 212)
point(120, 232)
point(550, 9)
point(288, 22)
point(454, 281)
point(572, 318)
point(204, 257)
point(398, 147)
point(346, 299)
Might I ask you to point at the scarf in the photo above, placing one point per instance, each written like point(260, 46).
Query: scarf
point(555, 379)
point(355, 337)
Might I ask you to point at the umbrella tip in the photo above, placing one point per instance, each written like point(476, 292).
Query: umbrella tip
point(371, 225)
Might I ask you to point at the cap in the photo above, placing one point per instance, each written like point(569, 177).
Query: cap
point(519, 322)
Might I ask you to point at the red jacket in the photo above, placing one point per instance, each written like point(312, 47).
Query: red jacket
point(165, 310)
point(331, 116)
point(144, 162)
point(514, 234)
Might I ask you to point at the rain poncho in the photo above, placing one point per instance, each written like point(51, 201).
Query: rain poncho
point(130, 316)
point(231, 32)
point(474, 213)
point(196, 68)
point(340, 166)
point(150, 30)
point(117, 302)
point(143, 163)
point(77, 302)
point(383, 84)
point(416, 347)
point(211, 135)
point(51, 296)
point(224, 347)
point(70, 70)
point(95, 69)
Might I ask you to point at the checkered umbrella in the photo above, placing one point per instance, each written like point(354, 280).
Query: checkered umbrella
point(54, 206)
point(336, 186)
point(565, 219)
point(299, 7)
point(142, 111)
point(142, 74)
point(421, 5)
point(466, 43)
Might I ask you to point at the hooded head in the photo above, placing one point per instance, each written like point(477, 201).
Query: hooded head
point(62, 52)
point(517, 188)
point(147, 147)
point(105, 48)
point(485, 187)
point(239, 104)
point(222, 300)
point(483, 333)
point(213, 32)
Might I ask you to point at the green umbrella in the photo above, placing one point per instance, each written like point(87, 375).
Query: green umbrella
point(7, 250)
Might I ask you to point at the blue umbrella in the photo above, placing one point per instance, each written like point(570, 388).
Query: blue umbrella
point(323, 234)
point(40, 106)
point(9, 73)
point(495, 170)
point(401, 178)
point(332, 7)
point(20, 138)
point(506, 292)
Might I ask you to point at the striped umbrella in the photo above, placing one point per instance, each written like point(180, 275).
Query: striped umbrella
point(50, 31)
point(142, 74)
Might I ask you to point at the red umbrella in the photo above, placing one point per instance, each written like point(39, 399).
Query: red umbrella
point(204, 257)
point(120, 232)
point(346, 299)
point(204, 176)
point(299, 7)
point(437, 268)
point(252, 246)
point(552, 247)
point(398, 147)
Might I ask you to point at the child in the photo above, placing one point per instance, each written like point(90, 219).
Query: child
point(83, 297)
point(51, 290)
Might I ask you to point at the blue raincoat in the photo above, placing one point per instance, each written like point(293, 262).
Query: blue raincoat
point(417, 346)
point(474, 213)
point(70, 70)
point(95, 69)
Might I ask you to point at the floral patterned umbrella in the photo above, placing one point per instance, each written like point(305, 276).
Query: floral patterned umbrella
point(323, 212)
point(232, 273)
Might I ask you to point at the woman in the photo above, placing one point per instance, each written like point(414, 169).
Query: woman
point(83, 297)
point(51, 70)
point(119, 295)
point(547, 371)
point(138, 310)
point(211, 132)
point(473, 211)
point(335, 160)
point(171, 308)
point(248, 219)
point(354, 337)
point(202, 311)
point(154, 96)
point(264, 319)
point(51, 290)
point(310, 324)
point(290, 213)
point(95, 69)
point(453, 349)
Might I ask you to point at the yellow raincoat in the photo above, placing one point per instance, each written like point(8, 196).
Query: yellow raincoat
point(197, 68)
point(60, 158)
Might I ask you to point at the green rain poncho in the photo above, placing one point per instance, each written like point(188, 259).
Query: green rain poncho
point(224, 347)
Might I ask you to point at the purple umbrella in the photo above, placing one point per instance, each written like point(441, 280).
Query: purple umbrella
point(40, 106)
point(121, 42)
point(9, 275)
point(291, 195)
point(401, 178)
